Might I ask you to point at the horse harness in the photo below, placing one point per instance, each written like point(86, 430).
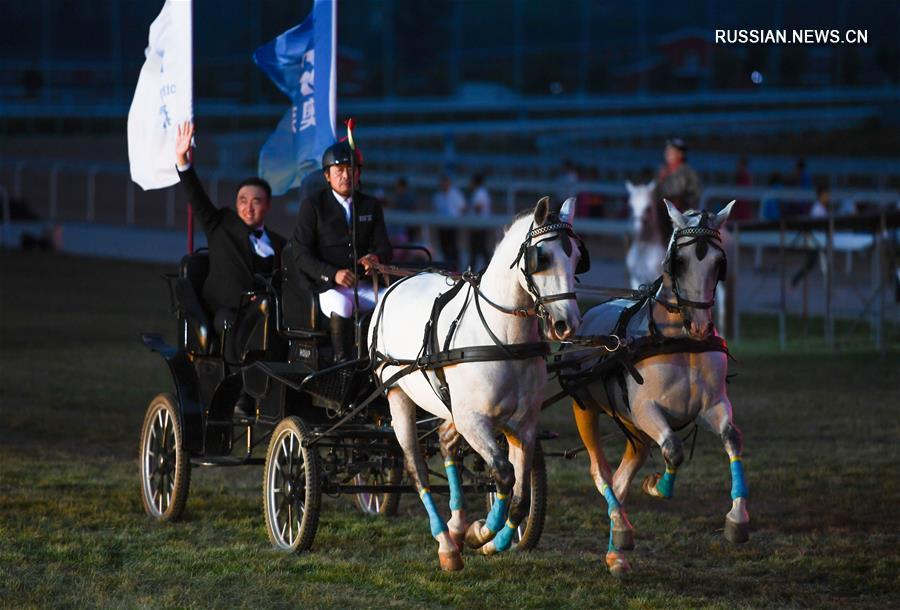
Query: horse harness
point(612, 367)
point(436, 354)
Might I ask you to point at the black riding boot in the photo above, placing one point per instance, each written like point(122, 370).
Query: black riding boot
point(342, 338)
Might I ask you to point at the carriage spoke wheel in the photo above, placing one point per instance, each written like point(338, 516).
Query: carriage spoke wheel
point(372, 503)
point(291, 492)
point(529, 531)
point(165, 466)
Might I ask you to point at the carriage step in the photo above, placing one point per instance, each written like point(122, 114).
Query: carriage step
point(227, 461)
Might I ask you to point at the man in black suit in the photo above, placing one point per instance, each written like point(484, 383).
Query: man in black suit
point(240, 246)
point(323, 247)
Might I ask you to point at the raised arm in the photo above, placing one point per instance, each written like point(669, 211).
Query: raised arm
point(207, 214)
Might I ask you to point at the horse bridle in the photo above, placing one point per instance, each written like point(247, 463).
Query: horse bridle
point(704, 236)
point(534, 259)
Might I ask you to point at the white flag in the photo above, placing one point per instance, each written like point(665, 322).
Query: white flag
point(163, 98)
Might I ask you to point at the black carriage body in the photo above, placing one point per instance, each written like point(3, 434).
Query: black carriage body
point(284, 372)
point(287, 370)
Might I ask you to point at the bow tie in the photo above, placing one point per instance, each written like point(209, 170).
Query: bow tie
point(257, 233)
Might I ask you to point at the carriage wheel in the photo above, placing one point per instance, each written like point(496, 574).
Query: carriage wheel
point(165, 466)
point(529, 531)
point(379, 503)
point(291, 492)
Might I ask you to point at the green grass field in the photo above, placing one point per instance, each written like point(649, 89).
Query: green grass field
point(822, 437)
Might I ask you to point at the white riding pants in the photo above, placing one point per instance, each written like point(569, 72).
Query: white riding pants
point(340, 301)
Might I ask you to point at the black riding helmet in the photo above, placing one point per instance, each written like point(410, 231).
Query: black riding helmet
point(340, 153)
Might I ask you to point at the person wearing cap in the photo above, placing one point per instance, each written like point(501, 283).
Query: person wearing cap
point(240, 246)
point(677, 182)
point(323, 245)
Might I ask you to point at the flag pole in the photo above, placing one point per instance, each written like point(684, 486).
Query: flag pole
point(190, 208)
point(353, 228)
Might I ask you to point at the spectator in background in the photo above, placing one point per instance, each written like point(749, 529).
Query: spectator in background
point(819, 210)
point(480, 240)
point(800, 178)
point(677, 182)
point(449, 203)
point(743, 179)
point(770, 207)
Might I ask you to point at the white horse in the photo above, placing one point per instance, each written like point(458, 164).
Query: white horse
point(645, 255)
point(532, 270)
point(677, 387)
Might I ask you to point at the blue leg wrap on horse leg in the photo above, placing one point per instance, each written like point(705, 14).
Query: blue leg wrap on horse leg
point(738, 484)
point(503, 540)
point(453, 478)
point(611, 501)
point(497, 515)
point(434, 517)
point(666, 485)
point(611, 546)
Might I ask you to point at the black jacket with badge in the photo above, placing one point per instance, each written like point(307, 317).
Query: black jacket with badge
point(231, 258)
point(322, 244)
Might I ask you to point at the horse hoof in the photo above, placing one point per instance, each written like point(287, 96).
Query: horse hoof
point(617, 564)
point(458, 538)
point(736, 532)
point(649, 485)
point(623, 539)
point(451, 561)
point(473, 535)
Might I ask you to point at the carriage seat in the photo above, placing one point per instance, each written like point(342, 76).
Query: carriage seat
point(187, 288)
point(299, 305)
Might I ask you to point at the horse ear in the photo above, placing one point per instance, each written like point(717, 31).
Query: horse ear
point(629, 187)
point(678, 219)
point(567, 211)
point(722, 216)
point(541, 210)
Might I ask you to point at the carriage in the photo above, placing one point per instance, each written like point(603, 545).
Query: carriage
point(332, 427)
point(325, 425)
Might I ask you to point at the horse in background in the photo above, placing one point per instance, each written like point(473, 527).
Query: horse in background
point(645, 255)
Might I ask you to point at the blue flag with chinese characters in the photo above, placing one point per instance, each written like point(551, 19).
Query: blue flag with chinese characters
point(302, 63)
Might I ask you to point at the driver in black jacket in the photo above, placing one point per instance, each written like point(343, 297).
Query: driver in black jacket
point(323, 248)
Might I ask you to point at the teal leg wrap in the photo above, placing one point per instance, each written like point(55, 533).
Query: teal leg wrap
point(453, 478)
point(611, 500)
point(739, 487)
point(434, 517)
point(497, 515)
point(666, 485)
point(611, 546)
point(503, 540)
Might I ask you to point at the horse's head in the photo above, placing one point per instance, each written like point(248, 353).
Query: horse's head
point(695, 263)
point(639, 199)
point(550, 256)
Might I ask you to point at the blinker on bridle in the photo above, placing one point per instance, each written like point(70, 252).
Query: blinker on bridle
point(533, 263)
point(704, 236)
